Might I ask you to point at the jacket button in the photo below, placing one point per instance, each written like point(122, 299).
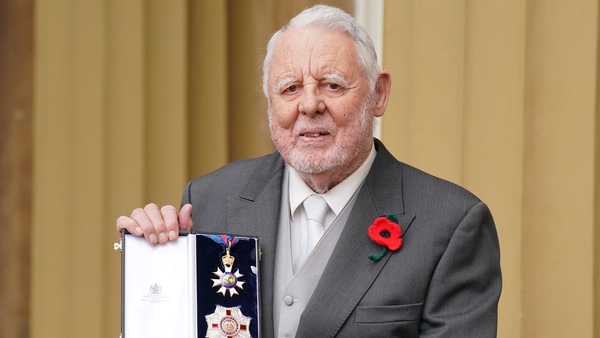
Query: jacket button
point(288, 300)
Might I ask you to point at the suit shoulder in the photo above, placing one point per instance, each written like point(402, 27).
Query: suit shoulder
point(425, 188)
point(232, 177)
point(415, 184)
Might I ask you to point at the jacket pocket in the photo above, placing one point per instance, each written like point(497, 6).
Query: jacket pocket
point(388, 313)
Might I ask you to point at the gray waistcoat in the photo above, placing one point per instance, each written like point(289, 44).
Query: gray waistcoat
point(292, 292)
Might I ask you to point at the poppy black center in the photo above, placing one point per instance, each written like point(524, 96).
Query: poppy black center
point(385, 233)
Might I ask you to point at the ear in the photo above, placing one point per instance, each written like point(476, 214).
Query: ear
point(384, 83)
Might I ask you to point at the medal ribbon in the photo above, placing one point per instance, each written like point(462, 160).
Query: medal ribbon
point(224, 240)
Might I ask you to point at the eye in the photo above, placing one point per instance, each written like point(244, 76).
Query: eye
point(291, 89)
point(334, 87)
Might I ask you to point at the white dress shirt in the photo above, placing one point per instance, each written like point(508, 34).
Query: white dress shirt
point(336, 198)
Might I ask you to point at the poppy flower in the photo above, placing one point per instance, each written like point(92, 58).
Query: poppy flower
point(386, 232)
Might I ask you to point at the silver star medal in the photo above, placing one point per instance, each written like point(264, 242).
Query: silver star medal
point(227, 322)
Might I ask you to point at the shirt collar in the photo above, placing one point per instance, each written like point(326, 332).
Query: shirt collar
point(336, 198)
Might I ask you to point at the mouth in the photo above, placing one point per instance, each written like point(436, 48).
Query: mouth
point(314, 134)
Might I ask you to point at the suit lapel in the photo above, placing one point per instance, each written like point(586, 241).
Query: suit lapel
point(350, 273)
point(255, 212)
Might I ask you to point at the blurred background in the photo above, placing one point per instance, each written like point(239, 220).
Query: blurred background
point(107, 105)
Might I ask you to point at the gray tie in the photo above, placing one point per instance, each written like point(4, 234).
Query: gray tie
point(316, 211)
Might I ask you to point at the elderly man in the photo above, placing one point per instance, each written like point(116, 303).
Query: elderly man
point(439, 274)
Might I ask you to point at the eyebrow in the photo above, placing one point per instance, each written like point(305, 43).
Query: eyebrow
point(335, 78)
point(283, 83)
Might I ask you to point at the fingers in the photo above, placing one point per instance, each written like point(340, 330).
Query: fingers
point(170, 217)
point(148, 219)
point(129, 224)
point(157, 225)
point(185, 218)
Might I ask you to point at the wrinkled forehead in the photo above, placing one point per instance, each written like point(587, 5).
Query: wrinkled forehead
point(312, 49)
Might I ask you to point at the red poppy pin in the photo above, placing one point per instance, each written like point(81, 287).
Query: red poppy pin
point(386, 232)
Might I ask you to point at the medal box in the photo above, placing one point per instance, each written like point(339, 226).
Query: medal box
point(200, 285)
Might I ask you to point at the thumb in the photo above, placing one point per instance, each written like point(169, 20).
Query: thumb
point(185, 218)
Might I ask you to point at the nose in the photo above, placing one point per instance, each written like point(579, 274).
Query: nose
point(311, 101)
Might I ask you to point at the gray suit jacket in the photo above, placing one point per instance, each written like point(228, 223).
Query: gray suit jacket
point(444, 281)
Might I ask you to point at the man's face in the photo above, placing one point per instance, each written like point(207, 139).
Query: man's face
point(320, 115)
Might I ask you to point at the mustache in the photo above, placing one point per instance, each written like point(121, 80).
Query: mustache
point(320, 122)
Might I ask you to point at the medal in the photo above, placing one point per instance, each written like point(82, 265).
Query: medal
point(227, 322)
point(227, 280)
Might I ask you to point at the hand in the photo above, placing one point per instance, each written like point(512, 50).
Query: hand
point(158, 226)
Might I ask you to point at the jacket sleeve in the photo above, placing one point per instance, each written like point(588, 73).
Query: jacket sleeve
point(462, 298)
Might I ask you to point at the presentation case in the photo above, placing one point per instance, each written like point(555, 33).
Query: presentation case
point(201, 285)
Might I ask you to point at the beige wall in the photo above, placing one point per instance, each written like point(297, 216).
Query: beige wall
point(500, 96)
point(131, 100)
point(134, 98)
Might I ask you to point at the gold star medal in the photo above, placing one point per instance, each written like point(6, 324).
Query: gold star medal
point(227, 280)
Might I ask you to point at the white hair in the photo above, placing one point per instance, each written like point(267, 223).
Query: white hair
point(336, 19)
